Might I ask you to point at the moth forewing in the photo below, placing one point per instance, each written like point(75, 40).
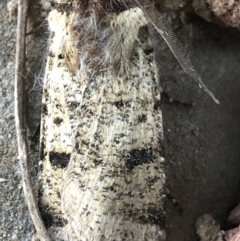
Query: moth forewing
point(102, 114)
point(56, 133)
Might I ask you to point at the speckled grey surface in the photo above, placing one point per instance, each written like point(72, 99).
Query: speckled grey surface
point(14, 219)
point(15, 223)
point(201, 142)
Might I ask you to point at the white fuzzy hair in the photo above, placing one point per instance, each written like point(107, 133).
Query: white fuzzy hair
point(96, 41)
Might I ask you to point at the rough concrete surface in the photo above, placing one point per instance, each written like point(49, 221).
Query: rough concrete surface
point(201, 142)
point(227, 11)
point(222, 12)
point(14, 219)
point(208, 229)
point(15, 223)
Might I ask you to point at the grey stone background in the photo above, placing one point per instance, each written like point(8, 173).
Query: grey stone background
point(202, 142)
point(15, 223)
point(14, 220)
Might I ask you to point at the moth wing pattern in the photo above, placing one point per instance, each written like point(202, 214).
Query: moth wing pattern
point(56, 134)
point(102, 171)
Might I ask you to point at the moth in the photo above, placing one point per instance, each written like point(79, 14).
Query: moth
point(102, 171)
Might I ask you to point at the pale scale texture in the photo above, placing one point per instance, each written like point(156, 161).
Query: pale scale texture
point(110, 127)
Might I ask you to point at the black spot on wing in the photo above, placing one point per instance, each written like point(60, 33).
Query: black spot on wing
point(154, 217)
point(119, 104)
point(148, 51)
point(40, 167)
point(49, 220)
point(60, 56)
point(42, 151)
point(157, 105)
point(46, 217)
point(60, 160)
point(142, 118)
point(138, 157)
point(73, 105)
point(57, 121)
point(44, 109)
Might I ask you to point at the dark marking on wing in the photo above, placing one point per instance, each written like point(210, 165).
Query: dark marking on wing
point(42, 153)
point(46, 216)
point(155, 217)
point(148, 51)
point(49, 220)
point(119, 104)
point(142, 118)
point(40, 167)
point(138, 157)
point(59, 159)
point(58, 121)
point(157, 105)
point(60, 56)
point(73, 105)
point(44, 109)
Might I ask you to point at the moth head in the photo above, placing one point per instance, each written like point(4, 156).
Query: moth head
point(100, 34)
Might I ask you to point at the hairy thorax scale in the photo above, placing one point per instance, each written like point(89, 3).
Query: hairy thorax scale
point(102, 172)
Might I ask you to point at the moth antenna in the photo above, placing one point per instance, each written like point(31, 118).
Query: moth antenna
point(174, 44)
